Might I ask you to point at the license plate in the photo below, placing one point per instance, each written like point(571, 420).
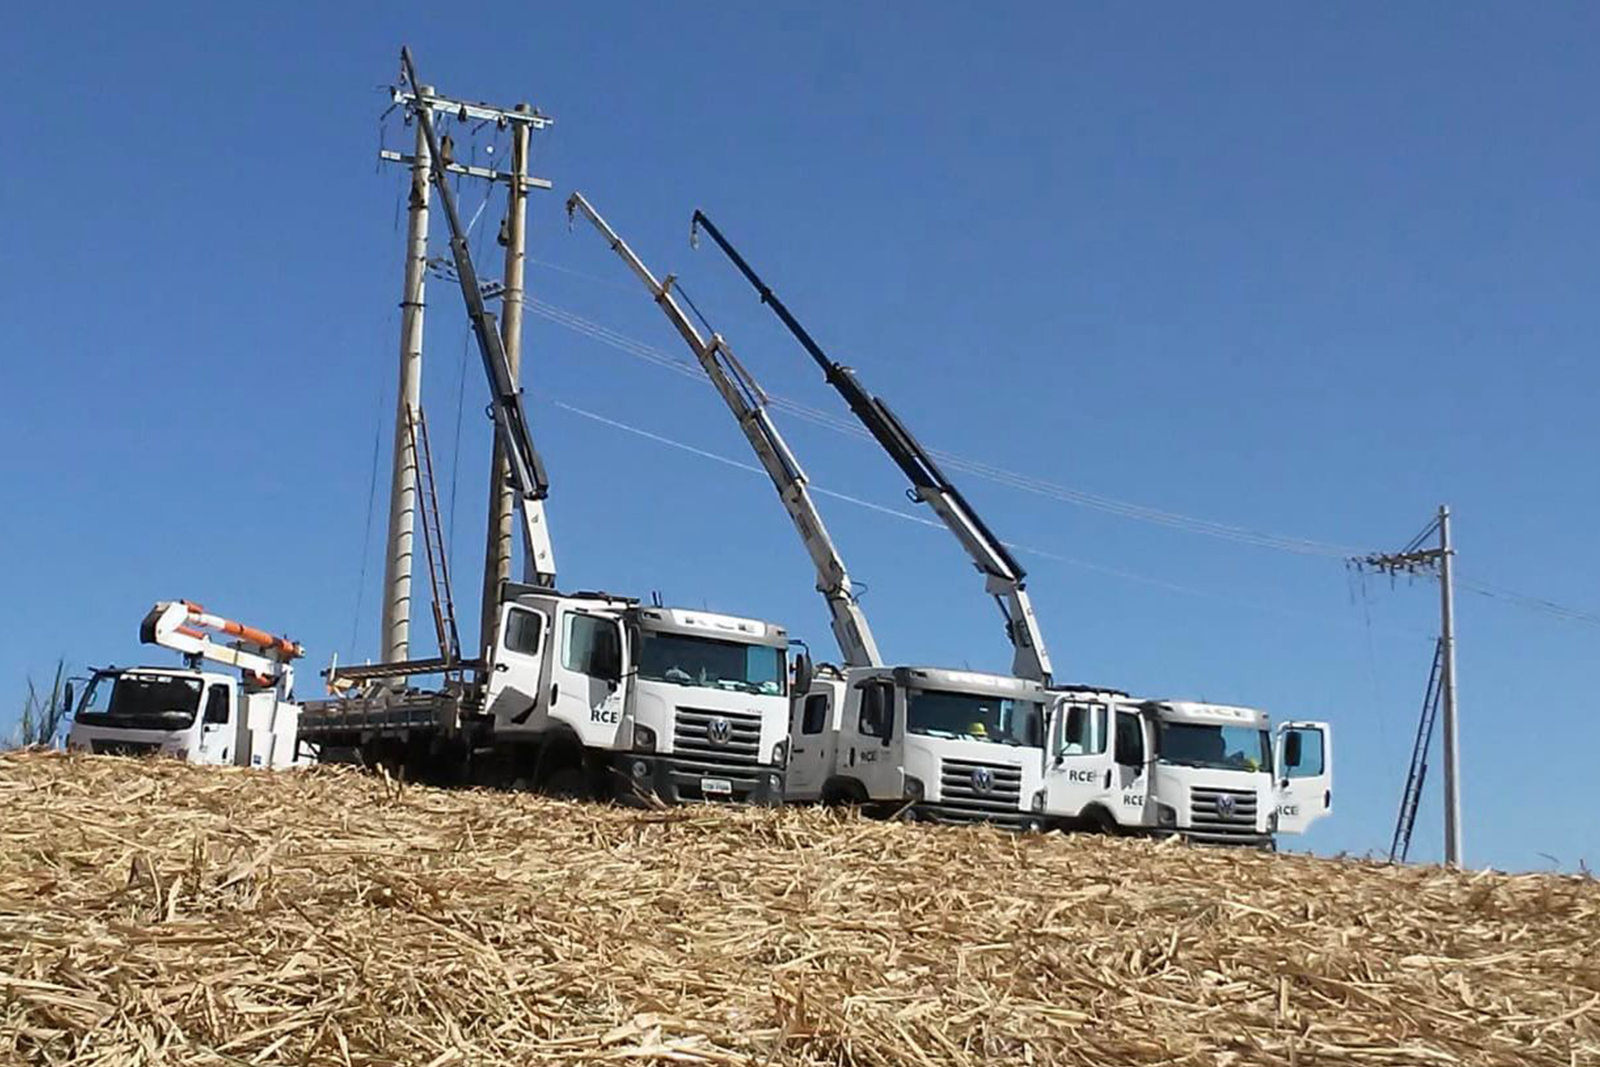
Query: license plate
point(716, 787)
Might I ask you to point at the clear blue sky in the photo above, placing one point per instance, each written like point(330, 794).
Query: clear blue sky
point(1306, 270)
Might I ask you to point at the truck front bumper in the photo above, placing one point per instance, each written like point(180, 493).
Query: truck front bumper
point(1226, 840)
point(678, 782)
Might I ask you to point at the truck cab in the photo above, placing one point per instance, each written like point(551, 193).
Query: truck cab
point(942, 745)
point(196, 716)
point(684, 704)
point(1202, 771)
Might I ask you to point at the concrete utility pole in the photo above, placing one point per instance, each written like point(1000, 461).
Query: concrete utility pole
point(396, 633)
point(497, 550)
point(1414, 559)
point(1452, 753)
point(403, 500)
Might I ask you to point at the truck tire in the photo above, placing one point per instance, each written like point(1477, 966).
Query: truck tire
point(567, 782)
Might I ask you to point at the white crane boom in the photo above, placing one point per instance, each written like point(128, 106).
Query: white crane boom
point(181, 624)
point(746, 401)
point(1004, 577)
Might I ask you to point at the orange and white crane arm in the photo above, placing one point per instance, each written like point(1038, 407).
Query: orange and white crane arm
point(182, 626)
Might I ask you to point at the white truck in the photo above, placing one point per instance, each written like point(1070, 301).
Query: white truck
point(928, 742)
point(1211, 773)
point(189, 713)
point(578, 694)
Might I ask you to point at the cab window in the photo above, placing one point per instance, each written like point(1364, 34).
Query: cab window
point(593, 647)
point(524, 631)
point(877, 709)
point(216, 706)
point(1311, 760)
point(1083, 733)
point(1130, 740)
point(815, 716)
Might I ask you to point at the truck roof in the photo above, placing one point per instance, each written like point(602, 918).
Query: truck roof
point(696, 623)
point(1222, 714)
point(969, 681)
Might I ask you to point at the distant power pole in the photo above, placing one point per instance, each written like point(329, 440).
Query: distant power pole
point(403, 490)
point(396, 633)
point(1415, 559)
point(497, 550)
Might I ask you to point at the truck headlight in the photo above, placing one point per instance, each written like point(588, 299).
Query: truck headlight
point(914, 789)
point(1038, 801)
point(1166, 815)
point(644, 738)
point(780, 754)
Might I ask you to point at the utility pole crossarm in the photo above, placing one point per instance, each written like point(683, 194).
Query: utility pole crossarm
point(527, 472)
point(744, 398)
point(1004, 578)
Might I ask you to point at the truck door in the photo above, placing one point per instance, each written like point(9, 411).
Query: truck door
point(1304, 762)
point(869, 748)
point(1130, 773)
point(220, 726)
point(586, 690)
point(809, 734)
point(515, 683)
point(1079, 765)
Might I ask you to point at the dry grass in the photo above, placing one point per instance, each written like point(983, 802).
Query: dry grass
point(157, 913)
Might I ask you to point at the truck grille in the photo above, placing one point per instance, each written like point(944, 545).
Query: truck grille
point(103, 747)
point(1210, 817)
point(717, 738)
point(978, 792)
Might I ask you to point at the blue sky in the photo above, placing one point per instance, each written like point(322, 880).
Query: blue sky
point(1304, 270)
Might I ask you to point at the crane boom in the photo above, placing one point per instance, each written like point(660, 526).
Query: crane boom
point(746, 401)
point(181, 625)
point(1004, 577)
point(528, 477)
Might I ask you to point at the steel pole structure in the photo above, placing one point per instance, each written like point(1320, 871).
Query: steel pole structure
point(1452, 737)
point(396, 633)
point(497, 551)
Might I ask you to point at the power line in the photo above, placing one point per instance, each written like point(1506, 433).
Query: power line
point(1021, 482)
point(907, 516)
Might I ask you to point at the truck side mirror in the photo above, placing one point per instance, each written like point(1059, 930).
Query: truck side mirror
point(66, 700)
point(607, 659)
point(1291, 750)
point(803, 673)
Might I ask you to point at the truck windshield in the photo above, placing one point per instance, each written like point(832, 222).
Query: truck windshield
point(1194, 744)
point(705, 661)
point(141, 701)
point(973, 717)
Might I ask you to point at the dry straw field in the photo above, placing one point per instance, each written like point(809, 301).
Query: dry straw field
point(163, 914)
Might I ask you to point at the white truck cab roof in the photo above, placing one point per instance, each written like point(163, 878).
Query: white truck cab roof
point(1210, 714)
point(695, 623)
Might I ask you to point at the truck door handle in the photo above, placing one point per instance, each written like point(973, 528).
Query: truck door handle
point(555, 691)
point(1108, 777)
point(852, 756)
point(502, 666)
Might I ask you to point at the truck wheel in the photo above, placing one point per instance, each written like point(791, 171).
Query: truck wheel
point(1102, 823)
point(567, 783)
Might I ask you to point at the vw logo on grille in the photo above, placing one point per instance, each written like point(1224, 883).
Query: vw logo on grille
point(719, 731)
point(1225, 806)
point(982, 780)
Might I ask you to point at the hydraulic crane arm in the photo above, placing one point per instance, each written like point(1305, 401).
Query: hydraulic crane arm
point(1004, 577)
point(510, 422)
point(748, 404)
point(181, 625)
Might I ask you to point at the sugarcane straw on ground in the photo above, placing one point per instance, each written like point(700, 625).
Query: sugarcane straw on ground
point(153, 912)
